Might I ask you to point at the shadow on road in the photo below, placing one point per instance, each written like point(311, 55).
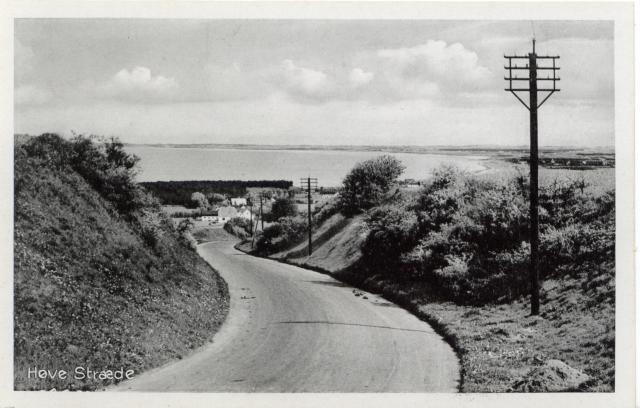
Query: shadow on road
point(329, 283)
point(349, 324)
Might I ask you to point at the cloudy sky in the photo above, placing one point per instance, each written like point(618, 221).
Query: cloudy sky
point(306, 81)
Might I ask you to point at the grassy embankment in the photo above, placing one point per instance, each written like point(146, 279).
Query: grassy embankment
point(497, 340)
point(102, 278)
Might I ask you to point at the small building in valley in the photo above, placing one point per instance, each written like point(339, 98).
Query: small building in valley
point(238, 201)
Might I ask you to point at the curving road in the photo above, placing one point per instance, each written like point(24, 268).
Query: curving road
point(294, 330)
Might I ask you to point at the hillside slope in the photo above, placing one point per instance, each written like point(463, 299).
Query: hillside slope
point(501, 346)
point(336, 245)
point(95, 288)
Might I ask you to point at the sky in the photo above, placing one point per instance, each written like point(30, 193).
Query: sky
point(314, 82)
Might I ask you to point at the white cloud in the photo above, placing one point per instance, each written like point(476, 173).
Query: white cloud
point(139, 85)
point(358, 77)
point(31, 95)
point(305, 82)
point(436, 65)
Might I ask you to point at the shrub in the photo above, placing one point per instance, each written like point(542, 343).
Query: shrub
point(240, 227)
point(283, 234)
point(282, 207)
point(102, 163)
point(199, 200)
point(467, 238)
point(326, 210)
point(392, 231)
point(368, 183)
point(149, 235)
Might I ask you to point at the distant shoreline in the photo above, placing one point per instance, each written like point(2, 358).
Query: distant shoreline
point(494, 151)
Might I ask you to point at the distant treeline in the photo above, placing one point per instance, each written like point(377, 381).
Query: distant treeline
point(179, 192)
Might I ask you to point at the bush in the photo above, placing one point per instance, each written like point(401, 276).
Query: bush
point(368, 183)
point(240, 227)
point(102, 163)
point(326, 210)
point(282, 207)
point(283, 234)
point(467, 238)
point(392, 231)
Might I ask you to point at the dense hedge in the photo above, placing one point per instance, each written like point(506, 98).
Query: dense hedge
point(467, 237)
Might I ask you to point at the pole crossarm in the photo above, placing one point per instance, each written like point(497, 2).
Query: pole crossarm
point(527, 90)
point(528, 79)
point(527, 68)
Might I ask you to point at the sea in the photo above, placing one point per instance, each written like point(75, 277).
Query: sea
point(328, 166)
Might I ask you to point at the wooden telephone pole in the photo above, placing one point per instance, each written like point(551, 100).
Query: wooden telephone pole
point(261, 217)
point(531, 68)
point(307, 185)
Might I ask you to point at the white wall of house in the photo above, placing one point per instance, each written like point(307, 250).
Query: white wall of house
point(239, 201)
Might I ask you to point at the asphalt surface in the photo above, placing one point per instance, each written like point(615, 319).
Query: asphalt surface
point(293, 330)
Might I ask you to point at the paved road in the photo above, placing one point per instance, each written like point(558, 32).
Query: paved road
point(293, 330)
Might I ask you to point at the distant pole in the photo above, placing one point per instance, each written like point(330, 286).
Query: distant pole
point(251, 222)
point(261, 218)
point(309, 210)
point(532, 68)
point(310, 181)
point(251, 217)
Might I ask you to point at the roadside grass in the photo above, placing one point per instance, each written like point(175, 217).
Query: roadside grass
point(501, 343)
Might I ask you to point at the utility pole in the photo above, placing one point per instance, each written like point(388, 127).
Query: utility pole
point(310, 183)
point(251, 216)
point(250, 205)
point(532, 68)
point(261, 218)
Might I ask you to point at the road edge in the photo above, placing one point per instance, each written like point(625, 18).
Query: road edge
point(396, 298)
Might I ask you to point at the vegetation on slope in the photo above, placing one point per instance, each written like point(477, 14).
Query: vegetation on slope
point(102, 278)
point(456, 253)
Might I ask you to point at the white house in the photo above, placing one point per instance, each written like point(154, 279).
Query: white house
point(209, 218)
point(238, 201)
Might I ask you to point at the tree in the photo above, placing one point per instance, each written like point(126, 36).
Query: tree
point(215, 198)
point(368, 183)
point(283, 207)
point(185, 226)
point(200, 200)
